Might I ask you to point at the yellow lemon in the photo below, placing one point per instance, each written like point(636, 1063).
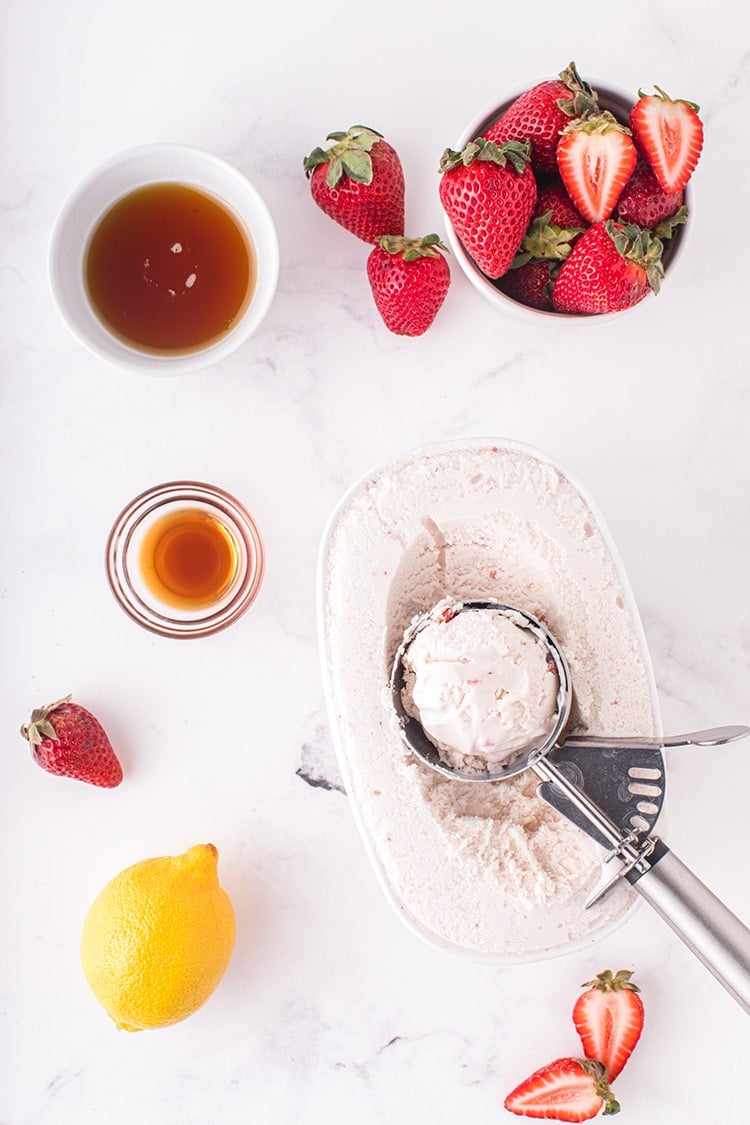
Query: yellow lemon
point(157, 940)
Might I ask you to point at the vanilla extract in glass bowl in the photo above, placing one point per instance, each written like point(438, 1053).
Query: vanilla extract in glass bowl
point(185, 559)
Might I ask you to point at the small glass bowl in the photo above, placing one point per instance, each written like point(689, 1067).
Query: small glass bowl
point(123, 562)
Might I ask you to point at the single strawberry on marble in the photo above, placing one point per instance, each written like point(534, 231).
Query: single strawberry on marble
point(359, 183)
point(409, 279)
point(69, 741)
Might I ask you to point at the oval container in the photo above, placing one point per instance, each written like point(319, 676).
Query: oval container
point(479, 518)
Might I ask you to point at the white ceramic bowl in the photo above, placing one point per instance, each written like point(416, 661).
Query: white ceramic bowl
point(619, 103)
point(116, 177)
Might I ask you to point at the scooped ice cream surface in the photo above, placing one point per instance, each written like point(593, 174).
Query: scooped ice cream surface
point(481, 685)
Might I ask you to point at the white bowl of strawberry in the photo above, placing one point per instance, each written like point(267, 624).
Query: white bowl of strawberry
point(569, 198)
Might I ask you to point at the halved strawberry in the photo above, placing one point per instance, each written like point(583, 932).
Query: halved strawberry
point(609, 1019)
point(566, 1090)
point(670, 134)
point(596, 156)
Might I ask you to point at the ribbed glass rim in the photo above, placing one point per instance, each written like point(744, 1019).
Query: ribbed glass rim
point(153, 615)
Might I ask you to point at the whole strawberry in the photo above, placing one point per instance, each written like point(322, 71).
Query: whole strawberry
point(645, 202)
point(359, 183)
point(611, 267)
point(541, 113)
point(409, 279)
point(537, 264)
point(552, 197)
point(68, 740)
point(488, 193)
point(531, 283)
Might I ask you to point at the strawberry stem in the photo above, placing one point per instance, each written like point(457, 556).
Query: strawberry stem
point(517, 153)
point(613, 982)
point(638, 246)
point(585, 100)
point(545, 241)
point(350, 155)
point(411, 248)
point(39, 727)
point(598, 1072)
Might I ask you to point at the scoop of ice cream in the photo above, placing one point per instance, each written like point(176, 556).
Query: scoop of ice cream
point(481, 685)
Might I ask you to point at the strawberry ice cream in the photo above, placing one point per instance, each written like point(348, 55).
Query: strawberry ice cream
point(481, 685)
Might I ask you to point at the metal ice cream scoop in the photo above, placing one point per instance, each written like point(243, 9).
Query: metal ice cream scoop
point(611, 788)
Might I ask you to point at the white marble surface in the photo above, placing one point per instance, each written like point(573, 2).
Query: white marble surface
point(331, 1010)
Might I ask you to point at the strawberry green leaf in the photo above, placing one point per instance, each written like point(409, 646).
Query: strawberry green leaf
point(358, 166)
point(585, 100)
point(666, 228)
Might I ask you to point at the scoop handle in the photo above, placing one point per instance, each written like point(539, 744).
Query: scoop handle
point(708, 928)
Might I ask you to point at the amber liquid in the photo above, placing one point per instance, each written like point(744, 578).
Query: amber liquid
point(169, 269)
point(188, 559)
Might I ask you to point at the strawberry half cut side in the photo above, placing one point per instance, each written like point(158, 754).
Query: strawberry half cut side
point(567, 1089)
point(595, 157)
point(670, 134)
point(609, 1019)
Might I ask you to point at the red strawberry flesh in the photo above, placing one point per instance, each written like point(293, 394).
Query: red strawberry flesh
point(670, 134)
point(596, 158)
point(567, 1089)
point(609, 1019)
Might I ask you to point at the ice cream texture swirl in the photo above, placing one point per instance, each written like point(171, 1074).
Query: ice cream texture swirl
point(481, 685)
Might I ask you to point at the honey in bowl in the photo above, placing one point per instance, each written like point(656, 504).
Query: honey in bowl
point(188, 559)
point(169, 269)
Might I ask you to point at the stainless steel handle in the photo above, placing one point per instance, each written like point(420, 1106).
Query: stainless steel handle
point(715, 736)
point(716, 936)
